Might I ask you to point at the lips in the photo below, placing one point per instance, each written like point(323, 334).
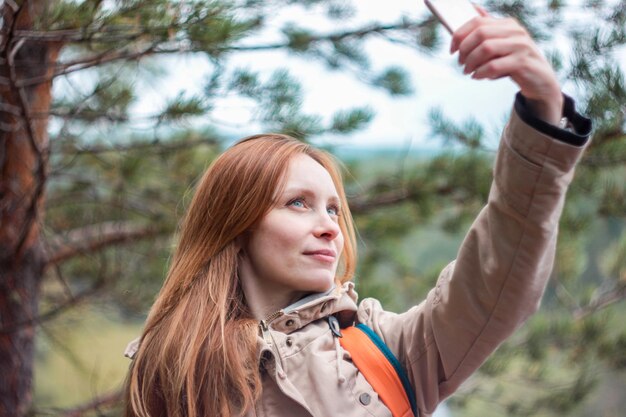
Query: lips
point(322, 255)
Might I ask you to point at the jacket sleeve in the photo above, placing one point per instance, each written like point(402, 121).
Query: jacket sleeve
point(500, 272)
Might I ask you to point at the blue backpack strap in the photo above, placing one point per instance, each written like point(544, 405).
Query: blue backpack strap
point(406, 384)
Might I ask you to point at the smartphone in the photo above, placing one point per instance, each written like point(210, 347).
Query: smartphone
point(452, 13)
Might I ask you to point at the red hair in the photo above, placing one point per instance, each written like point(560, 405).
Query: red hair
point(198, 351)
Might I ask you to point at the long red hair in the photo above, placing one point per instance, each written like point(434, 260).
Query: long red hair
point(198, 352)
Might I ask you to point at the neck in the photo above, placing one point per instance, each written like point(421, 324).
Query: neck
point(264, 300)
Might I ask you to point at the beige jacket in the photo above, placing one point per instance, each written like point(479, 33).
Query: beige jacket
point(495, 283)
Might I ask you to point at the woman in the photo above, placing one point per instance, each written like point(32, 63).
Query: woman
point(267, 251)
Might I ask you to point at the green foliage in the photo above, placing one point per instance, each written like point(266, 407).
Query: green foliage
point(68, 14)
point(571, 348)
point(298, 39)
point(429, 37)
point(395, 80)
point(346, 51)
point(614, 351)
point(181, 107)
point(109, 99)
point(470, 134)
point(349, 121)
point(280, 105)
point(614, 260)
point(213, 30)
point(340, 10)
point(110, 167)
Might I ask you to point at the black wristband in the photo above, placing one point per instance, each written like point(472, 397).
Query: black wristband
point(580, 124)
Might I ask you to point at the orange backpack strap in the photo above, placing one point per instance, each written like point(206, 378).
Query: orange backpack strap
point(381, 369)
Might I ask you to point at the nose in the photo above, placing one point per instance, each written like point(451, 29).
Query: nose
point(327, 227)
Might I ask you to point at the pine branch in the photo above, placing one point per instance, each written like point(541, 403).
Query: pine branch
point(93, 61)
point(145, 209)
point(78, 113)
point(156, 48)
point(90, 239)
point(390, 198)
point(51, 314)
point(79, 106)
point(365, 205)
point(91, 118)
point(335, 37)
point(106, 34)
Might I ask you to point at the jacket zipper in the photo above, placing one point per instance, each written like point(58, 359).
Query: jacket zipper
point(264, 325)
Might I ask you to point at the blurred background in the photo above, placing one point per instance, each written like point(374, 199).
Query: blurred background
point(111, 110)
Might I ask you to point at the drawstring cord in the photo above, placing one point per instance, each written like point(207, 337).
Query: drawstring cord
point(333, 323)
point(340, 376)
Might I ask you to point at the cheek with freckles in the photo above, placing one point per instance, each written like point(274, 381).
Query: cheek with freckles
point(281, 240)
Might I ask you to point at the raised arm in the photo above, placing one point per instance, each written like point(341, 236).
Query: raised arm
point(506, 258)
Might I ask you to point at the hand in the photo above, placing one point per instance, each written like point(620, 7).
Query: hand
point(493, 48)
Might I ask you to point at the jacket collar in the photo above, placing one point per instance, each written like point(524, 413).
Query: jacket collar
point(339, 300)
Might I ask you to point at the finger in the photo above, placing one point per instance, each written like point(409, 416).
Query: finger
point(490, 29)
point(514, 65)
point(492, 49)
point(532, 73)
point(496, 68)
point(481, 10)
point(463, 31)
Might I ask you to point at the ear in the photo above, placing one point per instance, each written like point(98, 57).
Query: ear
point(241, 242)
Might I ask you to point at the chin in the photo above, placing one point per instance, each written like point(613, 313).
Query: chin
point(321, 283)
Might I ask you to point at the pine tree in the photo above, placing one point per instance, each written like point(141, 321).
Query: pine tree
point(108, 43)
point(90, 192)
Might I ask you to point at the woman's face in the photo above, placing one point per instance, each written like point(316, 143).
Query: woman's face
point(296, 247)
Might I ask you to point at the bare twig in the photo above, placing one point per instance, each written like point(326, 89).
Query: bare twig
point(93, 238)
point(49, 315)
point(64, 284)
point(390, 198)
point(64, 350)
point(616, 294)
point(363, 205)
point(102, 58)
point(104, 401)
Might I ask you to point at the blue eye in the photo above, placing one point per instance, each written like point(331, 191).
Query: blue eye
point(333, 211)
point(298, 202)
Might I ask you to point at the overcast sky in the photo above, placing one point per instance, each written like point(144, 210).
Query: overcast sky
point(437, 80)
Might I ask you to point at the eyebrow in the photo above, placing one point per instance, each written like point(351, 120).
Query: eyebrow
point(307, 192)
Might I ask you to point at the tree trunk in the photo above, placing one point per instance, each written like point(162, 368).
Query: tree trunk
point(18, 306)
point(23, 171)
